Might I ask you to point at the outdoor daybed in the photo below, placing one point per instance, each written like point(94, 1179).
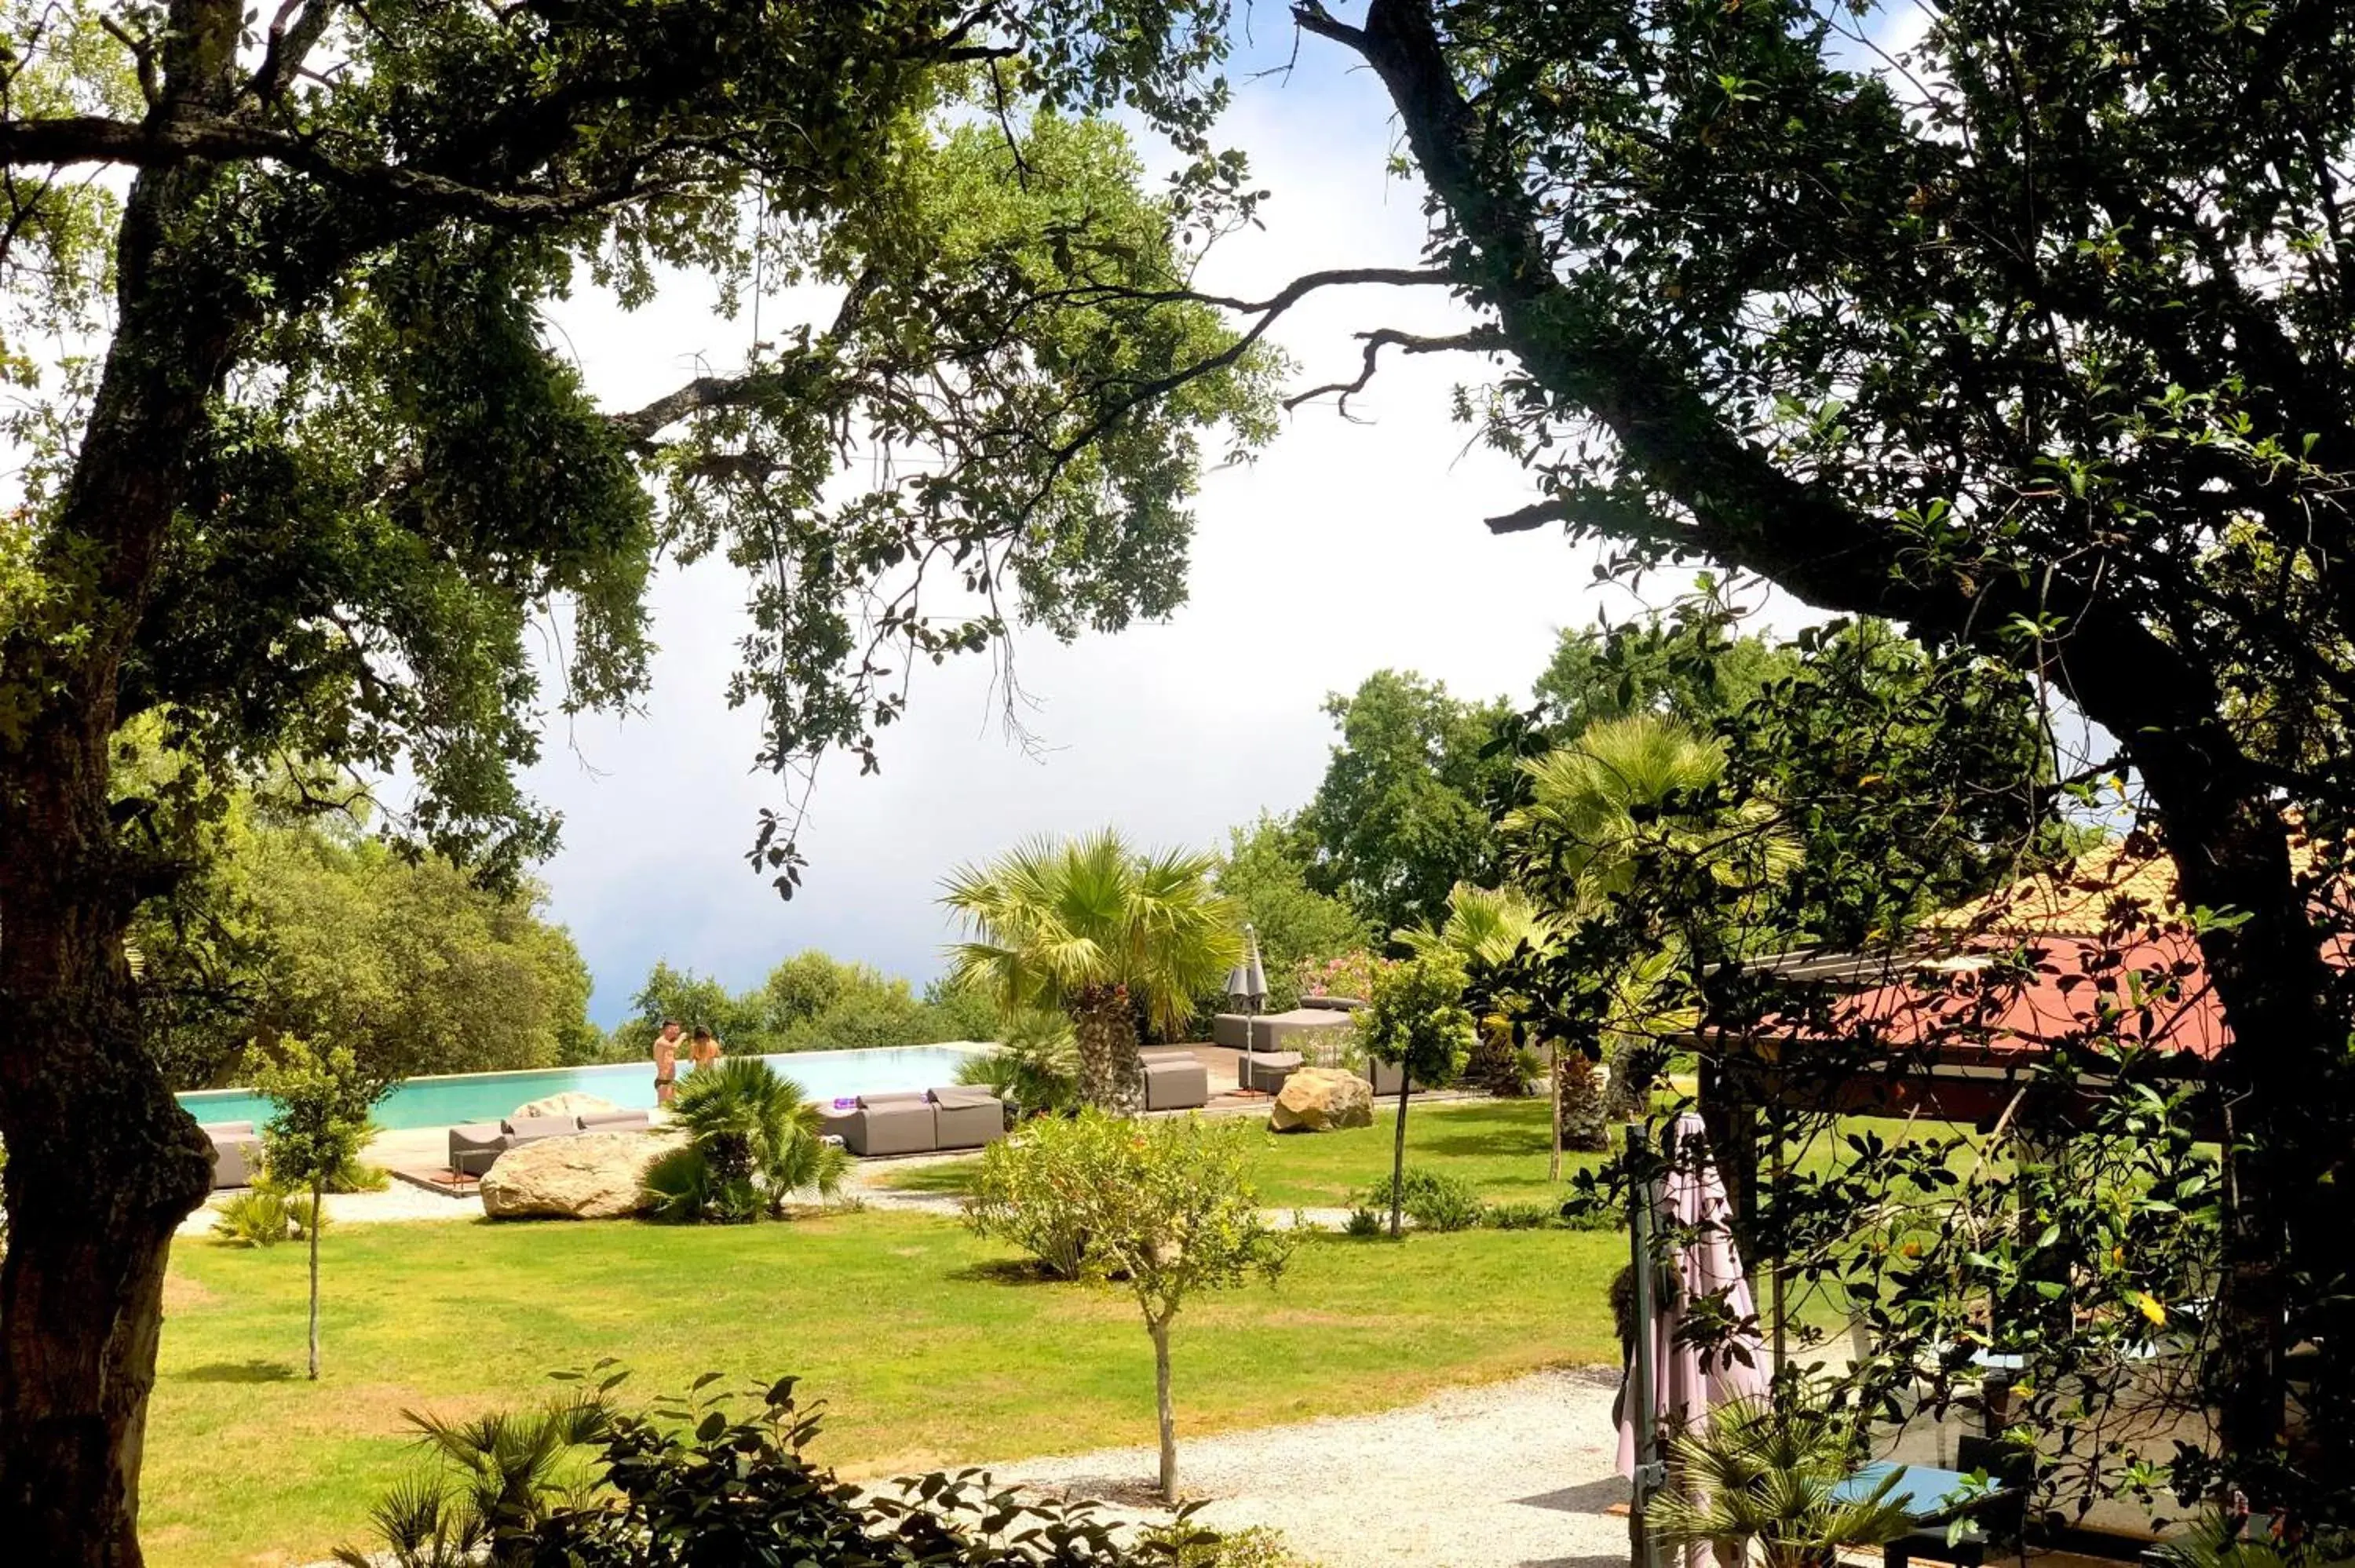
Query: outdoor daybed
point(237, 1152)
point(916, 1121)
point(1318, 1020)
point(474, 1149)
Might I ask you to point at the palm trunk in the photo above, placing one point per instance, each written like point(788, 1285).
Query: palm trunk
point(318, 1208)
point(1579, 1103)
point(1166, 1408)
point(1103, 1024)
point(1397, 1156)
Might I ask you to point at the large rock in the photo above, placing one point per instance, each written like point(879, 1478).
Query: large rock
point(571, 1102)
point(596, 1176)
point(1322, 1099)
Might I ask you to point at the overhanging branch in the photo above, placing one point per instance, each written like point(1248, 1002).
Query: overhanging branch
point(1479, 340)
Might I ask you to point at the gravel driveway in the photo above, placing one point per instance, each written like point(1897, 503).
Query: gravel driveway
point(1514, 1474)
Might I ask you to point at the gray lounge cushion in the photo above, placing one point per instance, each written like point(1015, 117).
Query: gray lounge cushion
point(1329, 1004)
point(890, 1124)
point(966, 1116)
point(1267, 1071)
point(237, 1153)
point(612, 1120)
point(531, 1128)
point(1172, 1085)
point(1230, 1030)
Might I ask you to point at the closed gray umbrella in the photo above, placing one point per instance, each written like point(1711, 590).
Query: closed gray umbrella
point(1247, 990)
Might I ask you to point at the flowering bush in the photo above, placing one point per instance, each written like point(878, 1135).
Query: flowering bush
point(1352, 974)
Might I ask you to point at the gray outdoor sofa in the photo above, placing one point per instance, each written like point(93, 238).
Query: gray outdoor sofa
point(916, 1121)
point(474, 1149)
point(237, 1152)
point(1175, 1078)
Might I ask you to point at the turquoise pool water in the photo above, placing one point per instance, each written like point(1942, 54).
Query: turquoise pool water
point(487, 1096)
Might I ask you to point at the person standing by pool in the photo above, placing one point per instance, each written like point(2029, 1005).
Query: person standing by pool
point(667, 1062)
point(706, 1047)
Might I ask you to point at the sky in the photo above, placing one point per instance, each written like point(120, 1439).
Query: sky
point(1348, 546)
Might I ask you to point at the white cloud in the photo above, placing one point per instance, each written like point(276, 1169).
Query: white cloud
point(1346, 547)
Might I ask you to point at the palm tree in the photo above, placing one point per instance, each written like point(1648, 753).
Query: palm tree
point(1102, 932)
point(752, 1143)
point(508, 1476)
point(1487, 926)
point(1754, 1474)
point(1629, 795)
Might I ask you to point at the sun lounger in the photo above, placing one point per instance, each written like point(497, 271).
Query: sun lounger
point(966, 1116)
point(473, 1149)
point(1231, 1029)
point(614, 1121)
point(237, 1152)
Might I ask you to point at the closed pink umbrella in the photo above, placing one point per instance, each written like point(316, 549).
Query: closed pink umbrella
point(1683, 1382)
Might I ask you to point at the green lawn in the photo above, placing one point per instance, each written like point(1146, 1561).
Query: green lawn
point(927, 1350)
point(1498, 1146)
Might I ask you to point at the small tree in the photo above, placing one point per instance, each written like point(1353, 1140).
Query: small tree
point(1166, 1207)
point(323, 1099)
point(1417, 1022)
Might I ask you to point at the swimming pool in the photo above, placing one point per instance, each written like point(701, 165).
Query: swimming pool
point(487, 1096)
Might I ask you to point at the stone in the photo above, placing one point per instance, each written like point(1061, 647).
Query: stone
point(571, 1102)
point(1322, 1099)
point(595, 1176)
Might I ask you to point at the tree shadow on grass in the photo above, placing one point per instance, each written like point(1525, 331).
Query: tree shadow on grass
point(238, 1372)
point(1005, 1271)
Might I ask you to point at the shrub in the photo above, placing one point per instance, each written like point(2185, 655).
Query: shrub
point(1433, 1200)
point(1527, 1216)
point(1036, 1190)
point(264, 1215)
point(1036, 1066)
point(1362, 1222)
point(694, 1481)
point(753, 1143)
point(1190, 1545)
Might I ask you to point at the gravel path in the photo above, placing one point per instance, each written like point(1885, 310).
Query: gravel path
point(1514, 1474)
point(398, 1200)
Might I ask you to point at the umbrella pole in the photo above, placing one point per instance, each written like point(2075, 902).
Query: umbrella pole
point(1650, 1473)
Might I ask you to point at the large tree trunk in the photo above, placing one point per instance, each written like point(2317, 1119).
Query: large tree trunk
point(1103, 1024)
point(103, 1164)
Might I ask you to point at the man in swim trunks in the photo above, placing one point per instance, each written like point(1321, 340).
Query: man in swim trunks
point(667, 1062)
